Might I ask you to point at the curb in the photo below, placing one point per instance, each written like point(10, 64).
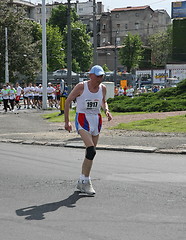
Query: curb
point(78, 144)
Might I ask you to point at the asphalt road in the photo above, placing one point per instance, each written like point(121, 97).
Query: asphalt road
point(139, 196)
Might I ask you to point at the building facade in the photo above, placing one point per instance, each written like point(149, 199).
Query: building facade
point(115, 26)
point(112, 26)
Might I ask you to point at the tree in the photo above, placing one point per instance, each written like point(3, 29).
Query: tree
point(59, 17)
point(161, 45)
point(55, 53)
point(131, 54)
point(24, 54)
point(81, 46)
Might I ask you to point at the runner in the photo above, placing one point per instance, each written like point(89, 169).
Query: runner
point(5, 96)
point(12, 96)
point(19, 91)
point(36, 95)
point(50, 92)
point(40, 90)
point(90, 96)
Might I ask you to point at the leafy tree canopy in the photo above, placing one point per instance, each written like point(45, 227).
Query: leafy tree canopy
point(59, 17)
point(131, 54)
point(81, 45)
point(55, 53)
point(23, 49)
point(161, 45)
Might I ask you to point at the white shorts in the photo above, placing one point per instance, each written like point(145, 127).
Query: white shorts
point(91, 123)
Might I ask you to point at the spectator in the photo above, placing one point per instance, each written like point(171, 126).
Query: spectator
point(120, 91)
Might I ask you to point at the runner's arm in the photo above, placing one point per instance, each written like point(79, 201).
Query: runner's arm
point(105, 104)
point(73, 95)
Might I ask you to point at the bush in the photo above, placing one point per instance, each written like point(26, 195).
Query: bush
point(181, 87)
point(167, 92)
point(166, 100)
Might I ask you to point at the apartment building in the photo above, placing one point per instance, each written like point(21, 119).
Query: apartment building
point(115, 26)
point(136, 20)
point(27, 6)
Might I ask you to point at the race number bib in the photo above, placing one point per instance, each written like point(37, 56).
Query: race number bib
point(92, 104)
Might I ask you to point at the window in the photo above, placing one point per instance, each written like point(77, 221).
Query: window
point(118, 26)
point(39, 10)
point(47, 10)
point(104, 26)
point(126, 26)
point(118, 39)
point(136, 26)
point(104, 39)
point(80, 9)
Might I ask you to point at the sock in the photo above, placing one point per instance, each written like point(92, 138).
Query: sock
point(83, 178)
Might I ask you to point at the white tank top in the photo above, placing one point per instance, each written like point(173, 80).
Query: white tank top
point(88, 102)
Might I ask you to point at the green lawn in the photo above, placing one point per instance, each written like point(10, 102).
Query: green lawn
point(175, 124)
point(53, 117)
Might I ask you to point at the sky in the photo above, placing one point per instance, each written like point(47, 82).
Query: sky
point(111, 4)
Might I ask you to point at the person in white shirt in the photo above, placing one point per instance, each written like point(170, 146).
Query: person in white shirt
point(19, 91)
point(130, 92)
point(12, 96)
point(36, 95)
point(1, 98)
point(26, 90)
point(31, 95)
point(40, 90)
point(50, 92)
point(5, 97)
point(120, 91)
point(90, 97)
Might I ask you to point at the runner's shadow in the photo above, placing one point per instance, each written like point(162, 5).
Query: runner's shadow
point(37, 212)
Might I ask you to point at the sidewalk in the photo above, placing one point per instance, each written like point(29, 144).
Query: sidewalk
point(28, 127)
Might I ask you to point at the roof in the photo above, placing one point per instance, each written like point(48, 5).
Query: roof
point(22, 2)
point(129, 8)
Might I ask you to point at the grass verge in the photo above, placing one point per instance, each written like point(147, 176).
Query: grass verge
point(54, 117)
point(176, 124)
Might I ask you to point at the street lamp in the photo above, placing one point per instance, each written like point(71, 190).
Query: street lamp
point(115, 59)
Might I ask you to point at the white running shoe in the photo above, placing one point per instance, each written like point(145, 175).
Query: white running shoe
point(86, 187)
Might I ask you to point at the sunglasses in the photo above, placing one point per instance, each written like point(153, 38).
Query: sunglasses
point(100, 76)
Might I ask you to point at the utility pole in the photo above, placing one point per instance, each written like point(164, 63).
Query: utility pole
point(115, 59)
point(69, 49)
point(94, 34)
point(44, 56)
point(6, 57)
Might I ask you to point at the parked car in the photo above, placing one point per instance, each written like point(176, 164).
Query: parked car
point(63, 72)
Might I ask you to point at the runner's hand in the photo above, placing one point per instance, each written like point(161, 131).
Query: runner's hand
point(68, 126)
point(109, 116)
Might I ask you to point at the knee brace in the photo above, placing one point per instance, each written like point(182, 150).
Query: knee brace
point(90, 152)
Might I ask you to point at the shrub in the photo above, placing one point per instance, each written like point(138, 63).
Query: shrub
point(166, 100)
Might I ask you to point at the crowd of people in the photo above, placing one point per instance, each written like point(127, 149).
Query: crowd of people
point(30, 94)
point(131, 92)
point(124, 91)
